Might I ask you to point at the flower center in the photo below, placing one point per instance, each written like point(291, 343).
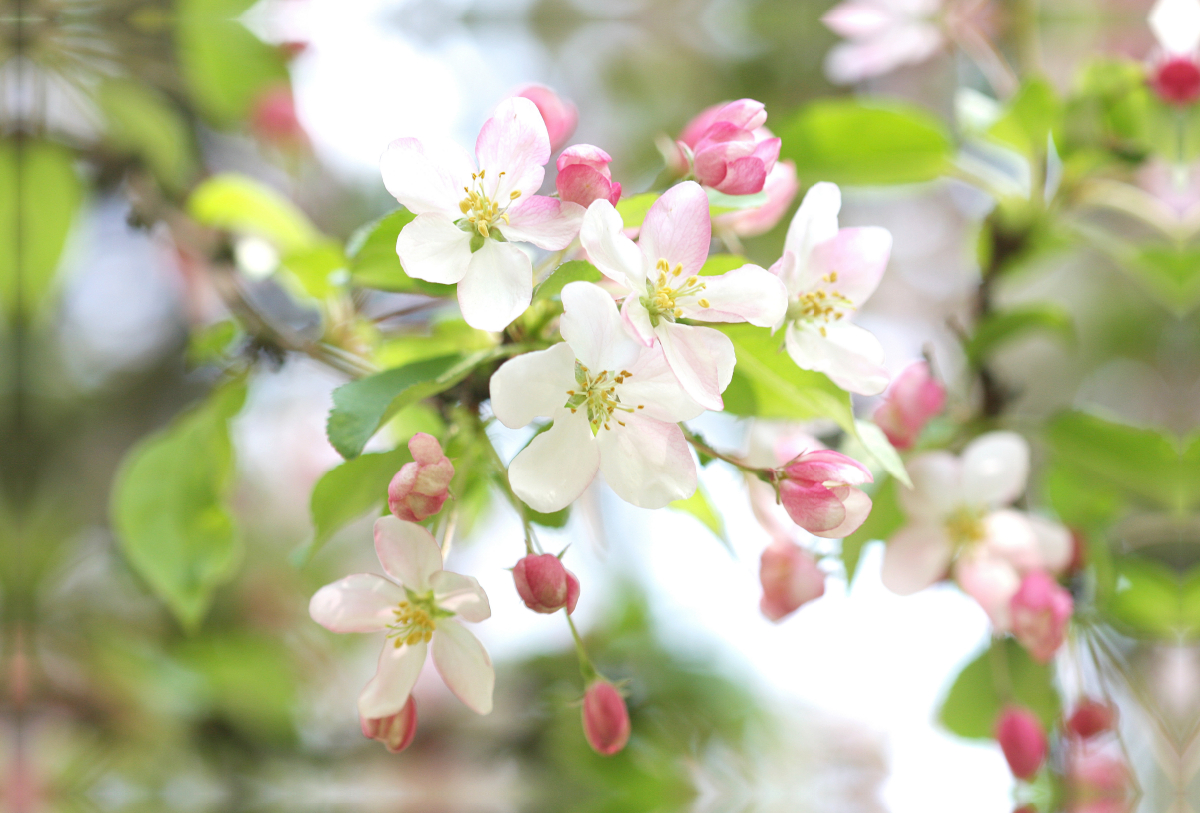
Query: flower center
point(598, 394)
point(663, 294)
point(481, 210)
point(414, 620)
point(821, 305)
point(965, 527)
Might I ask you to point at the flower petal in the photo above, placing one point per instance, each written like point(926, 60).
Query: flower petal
point(432, 248)
point(547, 223)
point(397, 672)
point(814, 222)
point(850, 356)
point(638, 318)
point(903, 44)
point(995, 467)
point(532, 385)
point(647, 462)
point(461, 595)
point(426, 178)
point(858, 507)
point(937, 486)
point(497, 287)
point(678, 229)
point(407, 552)
point(915, 557)
point(1008, 535)
point(992, 582)
point(593, 327)
point(812, 506)
point(602, 236)
point(513, 141)
point(656, 390)
point(701, 358)
point(1055, 544)
point(359, 603)
point(744, 176)
point(747, 294)
point(858, 256)
point(464, 664)
point(557, 465)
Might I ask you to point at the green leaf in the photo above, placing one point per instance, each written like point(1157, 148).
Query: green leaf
point(239, 204)
point(884, 520)
point(1171, 273)
point(445, 337)
point(878, 447)
point(573, 271)
point(857, 143)
point(169, 506)
point(375, 264)
point(1006, 326)
point(1030, 118)
point(209, 345)
point(718, 264)
point(633, 210)
point(1148, 599)
point(35, 218)
point(768, 384)
point(319, 269)
point(143, 121)
point(975, 700)
point(700, 506)
point(555, 519)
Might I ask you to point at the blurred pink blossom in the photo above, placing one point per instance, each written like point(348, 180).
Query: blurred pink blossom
point(780, 187)
point(545, 585)
point(790, 578)
point(1022, 740)
point(913, 398)
point(560, 115)
point(605, 718)
point(881, 35)
point(729, 149)
point(1040, 610)
point(396, 731)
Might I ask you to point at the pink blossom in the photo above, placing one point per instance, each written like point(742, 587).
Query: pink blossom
point(881, 35)
point(1098, 780)
point(273, 118)
point(729, 148)
point(1040, 610)
point(818, 491)
point(605, 718)
point(545, 585)
point(583, 176)
point(790, 578)
point(421, 487)
point(780, 188)
point(1177, 79)
point(1175, 68)
point(913, 398)
point(1022, 740)
point(559, 114)
point(396, 731)
point(1091, 718)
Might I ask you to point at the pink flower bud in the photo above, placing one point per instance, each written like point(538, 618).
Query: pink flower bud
point(914, 397)
point(1022, 740)
point(1176, 80)
point(605, 718)
point(396, 731)
point(818, 491)
point(559, 114)
point(1091, 718)
point(273, 118)
point(1039, 611)
point(790, 578)
point(731, 149)
point(583, 176)
point(420, 488)
point(545, 585)
point(780, 187)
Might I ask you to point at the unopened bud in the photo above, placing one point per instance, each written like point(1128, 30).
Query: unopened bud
point(420, 488)
point(605, 718)
point(584, 177)
point(1177, 79)
point(1022, 740)
point(1091, 718)
point(913, 398)
point(819, 493)
point(1040, 610)
point(558, 113)
point(790, 578)
point(545, 585)
point(395, 731)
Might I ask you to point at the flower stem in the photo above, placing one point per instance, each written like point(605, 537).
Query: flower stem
point(500, 475)
point(700, 445)
point(586, 669)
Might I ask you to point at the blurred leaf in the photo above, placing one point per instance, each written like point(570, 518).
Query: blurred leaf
point(1030, 118)
point(1172, 274)
point(445, 337)
point(700, 506)
point(851, 142)
point(145, 122)
point(884, 520)
point(1081, 501)
point(169, 506)
point(573, 271)
point(555, 519)
point(720, 203)
point(1147, 599)
point(40, 194)
point(1014, 323)
point(375, 264)
point(768, 384)
point(633, 210)
point(347, 491)
point(975, 700)
point(316, 268)
point(210, 344)
point(877, 445)
point(239, 204)
point(718, 264)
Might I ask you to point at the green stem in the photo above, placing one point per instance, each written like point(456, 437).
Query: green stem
point(699, 444)
point(586, 669)
point(500, 475)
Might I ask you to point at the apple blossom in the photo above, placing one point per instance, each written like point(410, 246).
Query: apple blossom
point(1022, 740)
point(421, 487)
point(605, 718)
point(780, 188)
point(829, 272)
point(1039, 611)
point(468, 215)
point(790, 578)
point(956, 518)
point(881, 36)
point(615, 405)
point(1090, 718)
point(1098, 780)
point(418, 605)
point(559, 114)
point(912, 399)
point(1175, 69)
point(545, 585)
point(661, 275)
point(396, 731)
point(729, 149)
point(583, 176)
point(818, 491)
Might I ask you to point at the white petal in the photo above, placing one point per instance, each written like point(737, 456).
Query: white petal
point(647, 462)
point(461, 595)
point(497, 286)
point(395, 676)
point(407, 552)
point(359, 603)
point(426, 177)
point(607, 246)
point(747, 294)
point(557, 465)
point(814, 222)
point(656, 390)
point(513, 141)
point(992, 582)
point(1055, 543)
point(432, 248)
point(533, 385)
point(916, 557)
point(701, 358)
point(1176, 25)
point(1009, 536)
point(464, 664)
point(638, 318)
point(937, 486)
point(593, 327)
point(995, 467)
point(850, 356)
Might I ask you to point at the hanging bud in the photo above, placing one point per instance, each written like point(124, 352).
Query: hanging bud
point(583, 176)
point(913, 398)
point(790, 578)
point(395, 731)
point(1091, 718)
point(1040, 610)
point(420, 488)
point(605, 718)
point(1022, 740)
point(818, 491)
point(559, 114)
point(545, 585)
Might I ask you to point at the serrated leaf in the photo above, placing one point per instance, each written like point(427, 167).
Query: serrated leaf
point(633, 209)
point(1005, 326)
point(884, 520)
point(700, 506)
point(979, 692)
point(573, 271)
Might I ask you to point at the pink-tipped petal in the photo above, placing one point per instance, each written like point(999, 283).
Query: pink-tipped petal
point(701, 358)
point(513, 141)
point(780, 187)
point(586, 155)
point(359, 603)
point(678, 229)
point(992, 582)
point(790, 578)
point(460, 595)
point(432, 248)
point(858, 507)
point(584, 185)
point(592, 326)
point(849, 355)
point(497, 287)
point(814, 222)
point(559, 114)
point(407, 552)
point(812, 506)
point(547, 223)
point(654, 387)
point(744, 176)
point(388, 691)
point(857, 20)
point(464, 665)
point(858, 256)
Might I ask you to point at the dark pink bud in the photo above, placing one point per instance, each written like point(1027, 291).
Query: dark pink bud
point(1091, 718)
point(583, 176)
point(1040, 610)
point(1022, 740)
point(421, 487)
point(790, 578)
point(395, 731)
point(1177, 80)
point(545, 585)
point(605, 718)
point(273, 118)
point(913, 398)
point(730, 149)
point(818, 491)
point(559, 114)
